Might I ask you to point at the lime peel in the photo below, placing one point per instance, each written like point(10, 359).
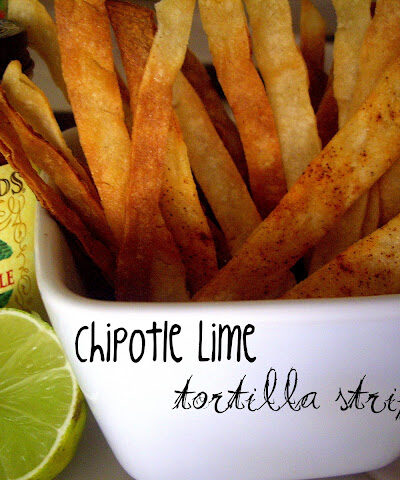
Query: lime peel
point(55, 402)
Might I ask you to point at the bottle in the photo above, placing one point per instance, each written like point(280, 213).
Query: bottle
point(18, 288)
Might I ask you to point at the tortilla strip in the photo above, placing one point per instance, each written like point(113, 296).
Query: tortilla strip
point(12, 150)
point(353, 19)
point(346, 231)
point(312, 35)
point(230, 49)
point(42, 34)
point(135, 28)
point(167, 277)
point(369, 267)
point(327, 117)
point(389, 194)
point(348, 166)
point(198, 77)
point(372, 214)
point(312, 46)
point(125, 97)
point(213, 168)
point(43, 155)
point(380, 47)
point(286, 81)
point(184, 215)
point(149, 147)
point(32, 104)
point(88, 67)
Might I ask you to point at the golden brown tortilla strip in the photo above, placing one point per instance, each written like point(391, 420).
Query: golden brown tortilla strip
point(12, 150)
point(42, 34)
point(134, 27)
point(44, 156)
point(126, 102)
point(226, 28)
point(130, 23)
point(184, 215)
point(312, 46)
point(346, 231)
point(369, 267)
point(372, 214)
point(327, 117)
point(149, 145)
point(213, 168)
point(167, 272)
point(32, 104)
point(286, 81)
point(348, 166)
point(380, 47)
point(312, 35)
point(198, 77)
point(389, 194)
point(353, 19)
point(88, 67)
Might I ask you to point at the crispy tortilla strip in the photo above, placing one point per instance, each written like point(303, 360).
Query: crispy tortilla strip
point(135, 29)
point(353, 18)
point(86, 53)
point(372, 214)
point(286, 80)
point(149, 146)
point(312, 46)
point(389, 194)
point(327, 116)
point(346, 231)
point(380, 47)
point(213, 168)
point(32, 104)
point(312, 36)
point(370, 267)
point(125, 97)
point(168, 276)
point(184, 215)
point(226, 28)
point(12, 150)
point(349, 165)
point(42, 34)
point(43, 155)
point(198, 77)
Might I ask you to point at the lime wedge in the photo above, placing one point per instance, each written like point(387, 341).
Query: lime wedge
point(42, 411)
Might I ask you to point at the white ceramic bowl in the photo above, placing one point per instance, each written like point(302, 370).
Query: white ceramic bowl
point(332, 344)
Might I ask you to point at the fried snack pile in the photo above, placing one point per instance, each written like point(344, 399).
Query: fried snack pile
point(177, 201)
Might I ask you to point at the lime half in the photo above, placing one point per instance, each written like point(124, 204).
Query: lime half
point(42, 411)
